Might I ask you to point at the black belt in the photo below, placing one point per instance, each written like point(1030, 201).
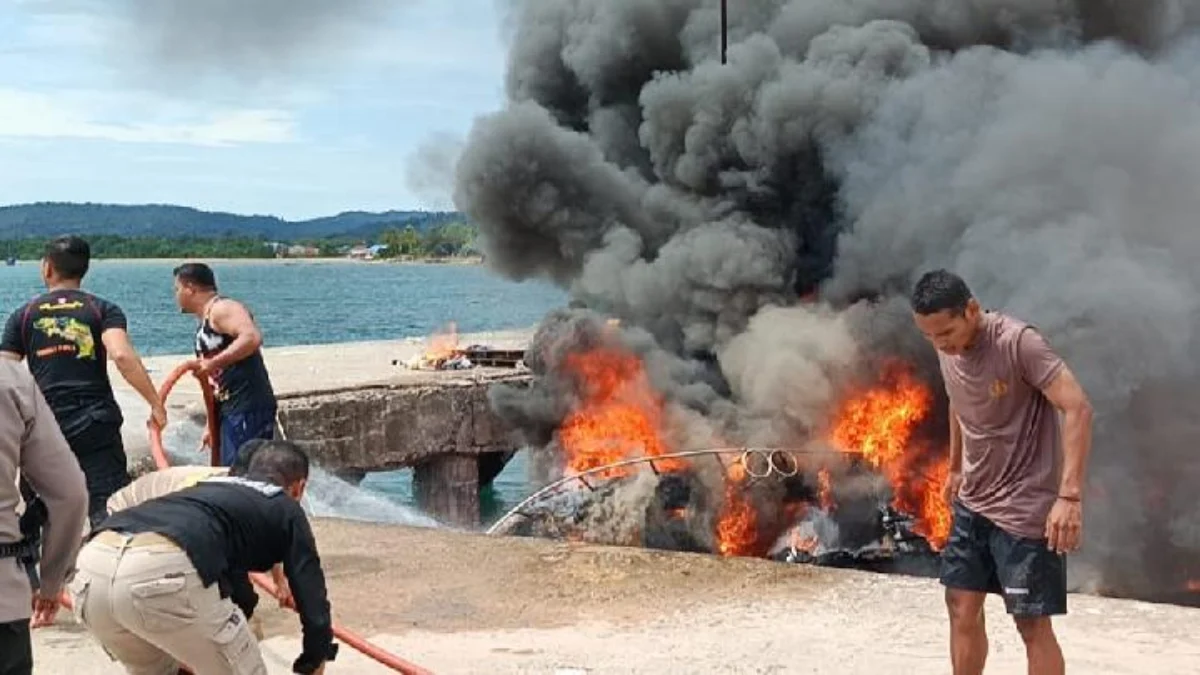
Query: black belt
point(16, 549)
point(28, 553)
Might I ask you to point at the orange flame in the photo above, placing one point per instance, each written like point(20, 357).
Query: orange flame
point(825, 495)
point(619, 416)
point(935, 519)
point(878, 426)
point(737, 531)
point(443, 344)
point(802, 542)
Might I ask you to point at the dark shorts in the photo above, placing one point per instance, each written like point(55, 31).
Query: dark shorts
point(101, 454)
point(16, 652)
point(982, 557)
point(239, 427)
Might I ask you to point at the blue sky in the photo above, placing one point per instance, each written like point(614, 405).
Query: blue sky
point(100, 103)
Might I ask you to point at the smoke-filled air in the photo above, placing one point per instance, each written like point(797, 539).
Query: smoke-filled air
point(179, 43)
point(739, 241)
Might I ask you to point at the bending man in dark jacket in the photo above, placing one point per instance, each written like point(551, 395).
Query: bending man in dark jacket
point(154, 583)
point(173, 479)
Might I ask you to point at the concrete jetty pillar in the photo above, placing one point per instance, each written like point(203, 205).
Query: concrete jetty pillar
point(447, 487)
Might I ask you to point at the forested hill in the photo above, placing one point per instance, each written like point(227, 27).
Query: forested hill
point(48, 219)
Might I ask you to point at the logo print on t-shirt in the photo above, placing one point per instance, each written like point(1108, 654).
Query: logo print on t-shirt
point(998, 389)
point(75, 332)
point(60, 304)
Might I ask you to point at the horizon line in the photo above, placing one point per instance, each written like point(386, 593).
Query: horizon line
point(227, 213)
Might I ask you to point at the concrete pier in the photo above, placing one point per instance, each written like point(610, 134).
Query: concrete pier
point(437, 423)
point(356, 411)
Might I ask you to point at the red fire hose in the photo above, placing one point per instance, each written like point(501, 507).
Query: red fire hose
point(262, 581)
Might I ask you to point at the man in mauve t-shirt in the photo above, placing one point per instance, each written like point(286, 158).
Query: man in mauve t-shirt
point(1016, 483)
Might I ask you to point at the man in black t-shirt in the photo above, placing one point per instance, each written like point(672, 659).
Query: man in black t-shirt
point(66, 336)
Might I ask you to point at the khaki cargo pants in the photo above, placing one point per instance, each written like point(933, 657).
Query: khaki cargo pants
point(142, 599)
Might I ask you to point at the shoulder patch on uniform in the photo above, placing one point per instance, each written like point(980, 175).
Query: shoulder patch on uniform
point(267, 489)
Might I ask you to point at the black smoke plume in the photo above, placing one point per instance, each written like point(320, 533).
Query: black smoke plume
point(182, 42)
point(1044, 149)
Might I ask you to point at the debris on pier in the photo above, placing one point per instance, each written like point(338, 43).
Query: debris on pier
point(443, 353)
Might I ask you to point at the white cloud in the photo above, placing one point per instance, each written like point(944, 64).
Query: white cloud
point(38, 115)
point(63, 31)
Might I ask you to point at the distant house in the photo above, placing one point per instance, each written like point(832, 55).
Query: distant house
point(377, 249)
point(360, 252)
point(303, 251)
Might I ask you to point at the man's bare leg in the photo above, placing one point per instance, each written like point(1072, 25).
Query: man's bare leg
point(968, 634)
point(1041, 646)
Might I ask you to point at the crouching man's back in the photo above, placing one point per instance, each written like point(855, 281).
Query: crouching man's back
point(155, 583)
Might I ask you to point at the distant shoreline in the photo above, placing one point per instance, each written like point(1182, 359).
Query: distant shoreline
point(464, 260)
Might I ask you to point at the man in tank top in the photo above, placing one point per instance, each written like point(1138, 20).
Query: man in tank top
point(1016, 482)
point(229, 346)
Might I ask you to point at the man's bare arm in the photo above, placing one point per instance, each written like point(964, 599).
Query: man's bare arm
point(121, 351)
point(954, 480)
point(231, 318)
point(282, 589)
point(1068, 396)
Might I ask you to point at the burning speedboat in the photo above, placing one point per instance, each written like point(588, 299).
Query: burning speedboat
point(678, 510)
point(863, 492)
point(675, 511)
point(604, 421)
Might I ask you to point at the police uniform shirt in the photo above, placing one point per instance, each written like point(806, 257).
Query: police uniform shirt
point(32, 445)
